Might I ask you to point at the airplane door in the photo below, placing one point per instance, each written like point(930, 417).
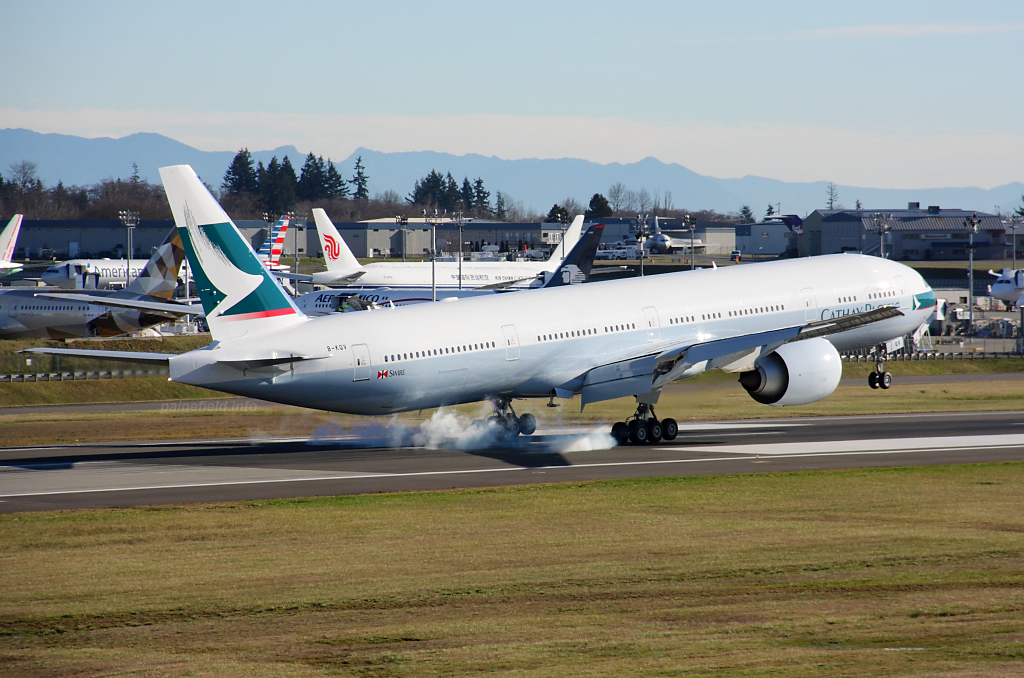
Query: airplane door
point(901, 285)
point(810, 307)
point(361, 362)
point(12, 310)
point(1020, 279)
point(653, 328)
point(511, 342)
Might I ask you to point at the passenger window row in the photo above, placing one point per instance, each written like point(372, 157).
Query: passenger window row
point(846, 300)
point(880, 295)
point(447, 350)
point(620, 328)
point(567, 335)
point(757, 310)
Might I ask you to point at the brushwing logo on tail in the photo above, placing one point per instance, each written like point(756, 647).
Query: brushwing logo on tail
point(232, 283)
point(333, 250)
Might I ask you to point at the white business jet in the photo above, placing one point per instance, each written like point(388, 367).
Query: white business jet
point(344, 269)
point(779, 325)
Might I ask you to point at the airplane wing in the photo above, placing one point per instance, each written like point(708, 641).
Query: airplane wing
point(158, 307)
point(123, 356)
point(646, 368)
point(504, 284)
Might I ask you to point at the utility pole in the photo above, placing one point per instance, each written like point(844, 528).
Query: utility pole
point(433, 252)
point(971, 224)
point(130, 220)
point(297, 218)
point(459, 221)
point(641, 237)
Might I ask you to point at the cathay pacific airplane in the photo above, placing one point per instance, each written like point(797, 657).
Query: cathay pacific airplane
point(574, 270)
point(344, 269)
point(780, 325)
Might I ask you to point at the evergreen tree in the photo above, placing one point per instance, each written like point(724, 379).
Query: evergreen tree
point(277, 185)
point(289, 180)
point(313, 182)
point(452, 195)
point(1020, 210)
point(558, 213)
point(771, 210)
point(500, 206)
point(336, 186)
point(467, 195)
point(429, 190)
point(359, 181)
point(746, 214)
point(481, 197)
point(599, 208)
point(241, 177)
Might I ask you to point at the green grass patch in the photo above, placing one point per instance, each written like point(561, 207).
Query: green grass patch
point(132, 389)
point(814, 573)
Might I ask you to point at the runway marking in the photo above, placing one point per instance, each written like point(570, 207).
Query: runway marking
point(990, 442)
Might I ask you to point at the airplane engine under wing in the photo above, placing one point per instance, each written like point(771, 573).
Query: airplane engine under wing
point(798, 373)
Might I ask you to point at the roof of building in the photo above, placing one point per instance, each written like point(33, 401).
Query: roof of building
point(931, 219)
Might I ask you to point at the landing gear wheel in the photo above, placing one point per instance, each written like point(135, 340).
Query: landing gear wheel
point(669, 429)
point(512, 428)
point(620, 432)
point(873, 380)
point(654, 431)
point(527, 424)
point(885, 380)
point(638, 432)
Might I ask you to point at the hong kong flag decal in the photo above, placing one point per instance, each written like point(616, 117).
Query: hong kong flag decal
point(382, 374)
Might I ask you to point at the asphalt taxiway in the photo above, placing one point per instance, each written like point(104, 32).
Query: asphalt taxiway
point(386, 460)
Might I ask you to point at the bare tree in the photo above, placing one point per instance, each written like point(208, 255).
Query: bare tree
point(573, 207)
point(833, 196)
point(668, 202)
point(617, 197)
point(644, 201)
point(23, 174)
point(390, 197)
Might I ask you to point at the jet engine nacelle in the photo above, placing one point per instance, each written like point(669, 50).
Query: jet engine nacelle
point(795, 374)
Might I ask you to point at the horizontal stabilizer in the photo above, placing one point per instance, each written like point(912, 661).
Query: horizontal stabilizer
point(123, 356)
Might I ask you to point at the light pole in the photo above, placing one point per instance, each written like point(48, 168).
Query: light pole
point(402, 222)
point(297, 218)
point(641, 237)
point(881, 225)
point(1014, 223)
point(459, 221)
point(971, 224)
point(130, 220)
point(691, 220)
point(433, 253)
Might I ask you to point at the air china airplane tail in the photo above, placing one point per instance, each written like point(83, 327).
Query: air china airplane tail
point(341, 262)
point(239, 295)
point(8, 238)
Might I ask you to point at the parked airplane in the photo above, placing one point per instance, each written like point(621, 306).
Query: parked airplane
point(8, 238)
point(574, 270)
point(662, 243)
point(270, 250)
point(1009, 287)
point(35, 312)
point(344, 269)
point(778, 324)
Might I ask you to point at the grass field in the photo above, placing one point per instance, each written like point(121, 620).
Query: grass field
point(916, 571)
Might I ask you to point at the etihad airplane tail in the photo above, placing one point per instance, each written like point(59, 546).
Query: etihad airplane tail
point(338, 256)
point(9, 237)
point(238, 294)
point(160, 276)
point(575, 268)
point(569, 239)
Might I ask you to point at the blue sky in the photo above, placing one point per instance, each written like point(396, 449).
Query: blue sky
point(790, 90)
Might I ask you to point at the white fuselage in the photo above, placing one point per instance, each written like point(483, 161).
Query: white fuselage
point(446, 274)
point(1009, 287)
point(326, 302)
point(526, 345)
point(22, 314)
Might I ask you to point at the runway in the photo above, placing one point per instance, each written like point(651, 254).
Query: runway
point(440, 456)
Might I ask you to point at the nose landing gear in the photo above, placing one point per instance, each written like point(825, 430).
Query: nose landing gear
point(880, 378)
point(644, 427)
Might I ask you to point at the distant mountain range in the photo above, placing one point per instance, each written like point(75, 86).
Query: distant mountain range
point(537, 183)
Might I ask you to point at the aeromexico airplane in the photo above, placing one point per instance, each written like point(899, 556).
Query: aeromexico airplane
point(574, 270)
point(778, 324)
point(344, 269)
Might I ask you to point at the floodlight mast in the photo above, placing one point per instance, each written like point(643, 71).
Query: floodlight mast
point(971, 223)
point(130, 220)
point(881, 224)
point(691, 220)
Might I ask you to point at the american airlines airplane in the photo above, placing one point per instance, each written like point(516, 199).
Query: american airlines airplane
point(147, 301)
point(344, 269)
point(574, 270)
point(270, 250)
point(8, 239)
point(779, 325)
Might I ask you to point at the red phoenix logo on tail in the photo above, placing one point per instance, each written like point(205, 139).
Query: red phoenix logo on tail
point(333, 249)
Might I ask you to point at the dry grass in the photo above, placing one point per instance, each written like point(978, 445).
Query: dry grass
point(775, 574)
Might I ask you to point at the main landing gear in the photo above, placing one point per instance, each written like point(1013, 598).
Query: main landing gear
point(880, 378)
point(504, 419)
point(644, 427)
